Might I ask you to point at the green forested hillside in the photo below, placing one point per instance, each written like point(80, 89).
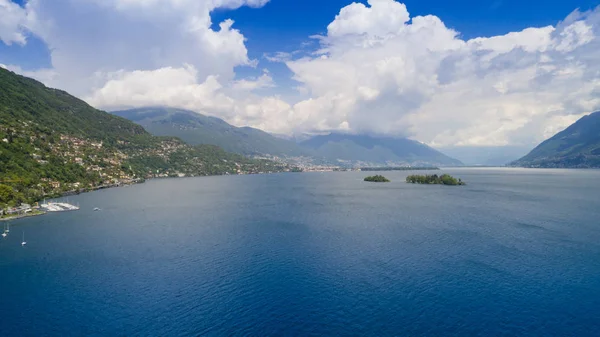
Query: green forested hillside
point(52, 142)
point(578, 146)
point(54, 111)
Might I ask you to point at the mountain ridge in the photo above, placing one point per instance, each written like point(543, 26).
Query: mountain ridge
point(52, 143)
point(336, 148)
point(377, 150)
point(195, 128)
point(577, 146)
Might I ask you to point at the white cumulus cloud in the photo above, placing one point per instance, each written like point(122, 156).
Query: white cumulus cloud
point(13, 22)
point(376, 69)
point(87, 37)
point(179, 87)
point(383, 72)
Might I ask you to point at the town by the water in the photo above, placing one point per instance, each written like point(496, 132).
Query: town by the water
point(24, 210)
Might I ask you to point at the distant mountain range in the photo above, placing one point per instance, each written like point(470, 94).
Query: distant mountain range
point(339, 149)
point(578, 146)
point(195, 128)
point(377, 150)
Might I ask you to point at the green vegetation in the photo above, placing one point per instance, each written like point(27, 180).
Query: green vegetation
point(10, 197)
point(377, 179)
point(31, 212)
point(578, 146)
point(52, 143)
point(444, 179)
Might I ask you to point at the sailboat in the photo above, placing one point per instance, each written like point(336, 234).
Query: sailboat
point(7, 227)
point(24, 242)
point(4, 233)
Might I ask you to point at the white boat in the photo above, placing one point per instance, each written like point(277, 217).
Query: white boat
point(96, 209)
point(4, 232)
point(7, 228)
point(24, 242)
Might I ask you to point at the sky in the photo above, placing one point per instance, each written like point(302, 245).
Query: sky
point(447, 73)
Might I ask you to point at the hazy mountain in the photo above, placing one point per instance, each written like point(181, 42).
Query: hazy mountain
point(376, 150)
point(195, 128)
point(486, 155)
point(578, 146)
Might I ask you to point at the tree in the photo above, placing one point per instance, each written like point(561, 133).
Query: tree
point(6, 194)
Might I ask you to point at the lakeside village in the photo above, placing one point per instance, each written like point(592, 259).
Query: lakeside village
point(24, 209)
point(97, 167)
point(89, 166)
point(308, 164)
point(103, 167)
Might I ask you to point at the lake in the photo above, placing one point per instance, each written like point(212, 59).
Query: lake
point(515, 252)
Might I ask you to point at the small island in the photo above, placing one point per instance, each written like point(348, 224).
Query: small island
point(444, 179)
point(377, 179)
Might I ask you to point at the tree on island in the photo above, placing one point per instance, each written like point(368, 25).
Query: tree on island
point(444, 179)
point(377, 179)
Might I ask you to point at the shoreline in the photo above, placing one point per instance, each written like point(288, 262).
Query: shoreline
point(116, 185)
point(21, 216)
point(144, 180)
point(38, 212)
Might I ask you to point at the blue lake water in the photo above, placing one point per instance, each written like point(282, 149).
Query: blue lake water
point(515, 252)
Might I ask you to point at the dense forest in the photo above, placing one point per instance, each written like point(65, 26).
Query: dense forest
point(377, 179)
point(444, 179)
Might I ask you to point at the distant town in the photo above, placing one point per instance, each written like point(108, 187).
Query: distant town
point(86, 165)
